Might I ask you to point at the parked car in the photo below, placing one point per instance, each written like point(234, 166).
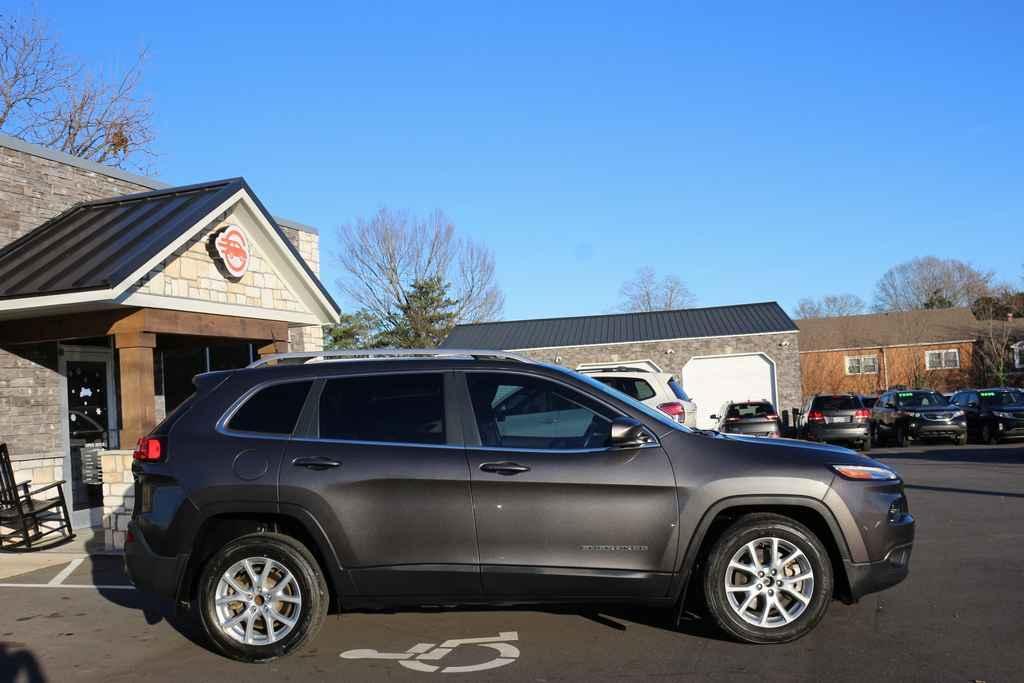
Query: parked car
point(992, 414)
point(279, 491)
point(905, 416)
point(837, 418)
point(751, 418)
point(869, 401)
point(659, 390)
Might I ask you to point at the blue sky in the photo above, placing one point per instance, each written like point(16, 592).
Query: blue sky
point(758, 151)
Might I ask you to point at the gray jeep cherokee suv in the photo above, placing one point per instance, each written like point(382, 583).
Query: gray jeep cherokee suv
point(279, 492)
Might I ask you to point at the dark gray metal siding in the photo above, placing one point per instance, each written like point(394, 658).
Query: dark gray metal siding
point(98, 244)
point(720, 321)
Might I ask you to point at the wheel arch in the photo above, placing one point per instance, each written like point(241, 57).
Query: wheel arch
point(810, 512)
point(222, 525)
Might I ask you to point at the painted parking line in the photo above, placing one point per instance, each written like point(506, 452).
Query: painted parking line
point(117, 587)
point(66, 572)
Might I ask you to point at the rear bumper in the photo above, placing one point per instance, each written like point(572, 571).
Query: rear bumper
point(150, 572)
point(838, 432)
point(870, 577)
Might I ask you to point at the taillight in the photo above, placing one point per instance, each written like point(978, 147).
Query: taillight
point(150, 449)
point(862, 415)
point(771, 416)
point(815, 416)
point(674, 409)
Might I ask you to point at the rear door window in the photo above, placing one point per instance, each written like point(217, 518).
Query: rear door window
point(406, 408)
point(272, 410)
point(630, 386)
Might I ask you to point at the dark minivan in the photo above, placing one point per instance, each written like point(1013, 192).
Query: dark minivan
point(376, 479)
point(837, 418)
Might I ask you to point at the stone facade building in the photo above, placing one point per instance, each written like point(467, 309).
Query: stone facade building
point(741, 352)
point(116, 289)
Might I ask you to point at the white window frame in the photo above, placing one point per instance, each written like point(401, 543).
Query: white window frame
point(942, 359)
point(860, 364)
point(1018, 355)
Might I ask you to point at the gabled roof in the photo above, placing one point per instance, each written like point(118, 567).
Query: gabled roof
point(687, 323)
point(102, 245)
point(933, 326)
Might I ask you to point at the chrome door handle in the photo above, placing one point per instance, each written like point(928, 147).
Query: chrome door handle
point(505, 468)
point(316, 462)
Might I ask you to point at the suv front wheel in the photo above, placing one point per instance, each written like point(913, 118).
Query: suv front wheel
point(768, 579)
point(261, 596)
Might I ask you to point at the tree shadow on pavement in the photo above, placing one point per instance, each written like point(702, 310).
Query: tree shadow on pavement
point(1005, 454)
point(19, 664)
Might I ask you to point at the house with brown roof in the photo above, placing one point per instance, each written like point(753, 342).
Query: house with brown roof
point(867, 354)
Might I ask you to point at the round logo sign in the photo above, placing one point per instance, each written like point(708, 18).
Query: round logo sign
point(233, 249)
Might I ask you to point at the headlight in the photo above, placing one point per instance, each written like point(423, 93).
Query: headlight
point(865, 472)
point(958, 413)
point(913, 413)
point(999, 413)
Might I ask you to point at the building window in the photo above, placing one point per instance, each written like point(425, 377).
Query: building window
point(1018, 355)
point(862, 365)
point(942, 360)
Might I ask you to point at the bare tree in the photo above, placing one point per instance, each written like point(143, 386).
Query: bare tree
point(47, 99)
point(996, 331)
point(930, 282)
point(829, 306)
point(385, 254)
point(647, 292)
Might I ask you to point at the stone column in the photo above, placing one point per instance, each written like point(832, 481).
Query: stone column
point(138, 394)
point(118, 496)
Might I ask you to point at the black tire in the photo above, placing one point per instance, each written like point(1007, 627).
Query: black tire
point(865, 445)
point(750, 528)
point(960, 440)
point(902, 440)
point(288, 553)
point(988, 435)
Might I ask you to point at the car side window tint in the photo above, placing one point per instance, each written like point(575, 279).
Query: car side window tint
point(518, 411)
point(406, 408)
point(272, 410)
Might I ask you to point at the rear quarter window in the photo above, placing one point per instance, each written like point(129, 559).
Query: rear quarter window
point(272, 410)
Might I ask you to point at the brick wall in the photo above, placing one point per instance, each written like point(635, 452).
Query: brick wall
point(671, 356)
point(824, 372)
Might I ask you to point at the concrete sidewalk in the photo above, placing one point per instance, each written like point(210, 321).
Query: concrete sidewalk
point(86, 543)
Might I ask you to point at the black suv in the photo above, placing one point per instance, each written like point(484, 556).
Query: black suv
point(379, 479)
point(992, 414)
point(841, 418)
point(905, 416)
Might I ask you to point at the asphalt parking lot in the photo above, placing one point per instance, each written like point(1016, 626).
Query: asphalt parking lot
point(957, 618)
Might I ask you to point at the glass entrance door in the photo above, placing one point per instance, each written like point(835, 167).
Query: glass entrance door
point(92, 428)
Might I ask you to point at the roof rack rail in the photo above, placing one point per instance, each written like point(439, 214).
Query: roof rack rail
point(304, 357)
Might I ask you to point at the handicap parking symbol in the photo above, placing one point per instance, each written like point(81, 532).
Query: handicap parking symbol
point(419, 656)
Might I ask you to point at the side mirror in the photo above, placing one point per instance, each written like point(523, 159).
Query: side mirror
point(972, 404)
point(628, 433)
point(890, 405)
point(714, 417)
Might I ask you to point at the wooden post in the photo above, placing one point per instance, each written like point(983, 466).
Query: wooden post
point(272, 348)
point(138, 394)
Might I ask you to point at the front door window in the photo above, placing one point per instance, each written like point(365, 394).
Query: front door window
point(90, 427)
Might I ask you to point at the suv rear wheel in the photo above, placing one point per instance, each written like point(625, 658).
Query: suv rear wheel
point(261, 596)
point(768, 579)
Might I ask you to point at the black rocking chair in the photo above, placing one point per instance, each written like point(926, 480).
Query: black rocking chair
point(31, 518)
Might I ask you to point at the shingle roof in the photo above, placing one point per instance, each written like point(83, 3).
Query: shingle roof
point(887, 329)
point(97, 245)
point(719, 321)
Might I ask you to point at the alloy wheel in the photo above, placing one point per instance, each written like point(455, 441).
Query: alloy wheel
point(769, 582)
point(257, 601)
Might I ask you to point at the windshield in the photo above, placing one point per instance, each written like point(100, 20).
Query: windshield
point(605, 389)
point(1003, 397)
point(920, 399)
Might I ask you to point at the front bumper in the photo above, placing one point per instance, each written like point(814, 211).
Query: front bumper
point(871, 577)
point(150, 572)
point(926, 429)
